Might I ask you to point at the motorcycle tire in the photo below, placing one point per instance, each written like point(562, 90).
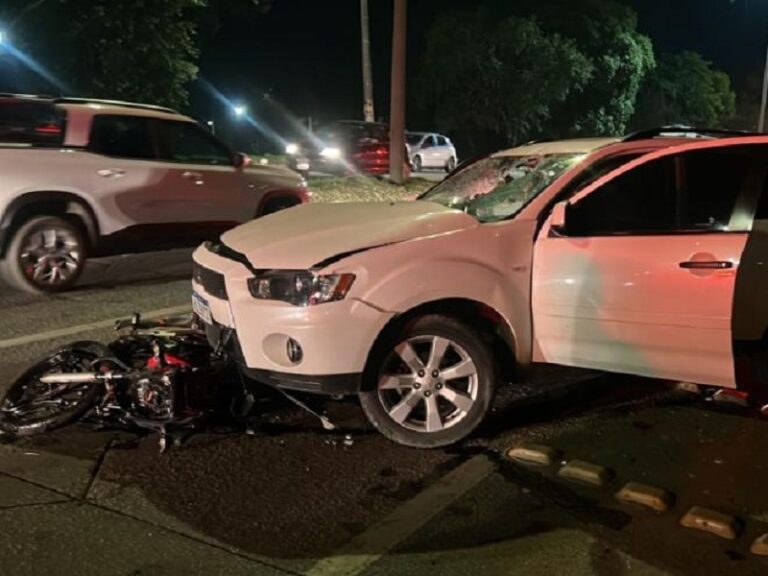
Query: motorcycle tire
point(79, 355)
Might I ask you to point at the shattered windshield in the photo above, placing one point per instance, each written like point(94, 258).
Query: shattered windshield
point(498, 187)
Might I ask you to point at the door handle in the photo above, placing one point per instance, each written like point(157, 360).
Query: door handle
point(111, 172)
point(706, 265)
point(196, 176)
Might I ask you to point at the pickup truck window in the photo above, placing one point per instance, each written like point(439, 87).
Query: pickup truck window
point(122, 137)
point(693, 191)
point(31, 123)
point(188, 143)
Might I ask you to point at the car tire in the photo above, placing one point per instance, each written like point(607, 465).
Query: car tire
point(417, 164)
point(46, 254)
point(450, 166)
point(429, 384)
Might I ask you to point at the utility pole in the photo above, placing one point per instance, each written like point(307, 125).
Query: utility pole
point(764, 100)
point(397, 107)
point(368, 110)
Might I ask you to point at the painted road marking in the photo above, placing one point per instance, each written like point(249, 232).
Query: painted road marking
point(365, 549)
point(101, 324)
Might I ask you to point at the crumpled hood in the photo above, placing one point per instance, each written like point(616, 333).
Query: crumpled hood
point(306, 235)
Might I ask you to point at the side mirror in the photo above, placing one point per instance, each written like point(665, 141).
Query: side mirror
point(242, 160)
point(558, 219)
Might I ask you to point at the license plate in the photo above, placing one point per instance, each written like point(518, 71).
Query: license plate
point(201, 308)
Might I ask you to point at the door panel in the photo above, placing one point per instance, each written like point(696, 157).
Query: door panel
point(642, 278)
point(625, 304)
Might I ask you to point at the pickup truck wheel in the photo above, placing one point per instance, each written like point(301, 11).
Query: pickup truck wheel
point(434, 383)
point(46, 254)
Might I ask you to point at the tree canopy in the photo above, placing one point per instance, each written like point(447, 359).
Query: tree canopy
point(507, 73)
point(685, 89)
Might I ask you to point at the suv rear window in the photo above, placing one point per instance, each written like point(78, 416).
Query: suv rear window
point(122, 137)
point(31, 123)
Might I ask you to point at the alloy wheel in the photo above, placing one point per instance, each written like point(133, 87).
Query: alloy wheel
point(429, 384)
point(50, 256)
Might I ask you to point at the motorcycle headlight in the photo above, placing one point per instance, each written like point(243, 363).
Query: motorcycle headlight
point(300, 288)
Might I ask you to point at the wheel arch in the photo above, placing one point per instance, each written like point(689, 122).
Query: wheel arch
point(479, 316)
point(299, 194)
point(48, 203)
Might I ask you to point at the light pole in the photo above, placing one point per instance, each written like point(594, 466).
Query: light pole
point(764, 98)
point(368, 110)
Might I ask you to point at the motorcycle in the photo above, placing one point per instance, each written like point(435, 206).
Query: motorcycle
point(161, 376)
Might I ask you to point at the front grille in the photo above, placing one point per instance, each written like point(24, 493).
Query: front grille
point(212, 282)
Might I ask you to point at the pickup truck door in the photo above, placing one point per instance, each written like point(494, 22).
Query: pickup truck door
point(641, 278)
point(207, 185)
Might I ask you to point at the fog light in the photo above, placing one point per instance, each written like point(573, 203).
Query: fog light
point(295, 353)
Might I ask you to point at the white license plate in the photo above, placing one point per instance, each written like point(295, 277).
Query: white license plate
point(201, 308)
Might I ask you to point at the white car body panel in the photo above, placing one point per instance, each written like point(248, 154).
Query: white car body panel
point(619, 303)
point(312, 233)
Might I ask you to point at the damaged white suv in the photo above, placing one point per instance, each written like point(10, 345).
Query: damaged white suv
point(605, 254)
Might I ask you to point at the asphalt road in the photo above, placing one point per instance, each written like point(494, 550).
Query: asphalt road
point(291, 498)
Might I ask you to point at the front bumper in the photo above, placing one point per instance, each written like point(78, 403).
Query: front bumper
point(335, 338)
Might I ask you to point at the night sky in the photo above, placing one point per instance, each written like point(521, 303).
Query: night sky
point(306, 53)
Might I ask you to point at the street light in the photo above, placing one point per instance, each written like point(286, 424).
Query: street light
point(240, 110)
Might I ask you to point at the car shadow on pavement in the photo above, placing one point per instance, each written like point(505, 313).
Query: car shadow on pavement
point(133, 268)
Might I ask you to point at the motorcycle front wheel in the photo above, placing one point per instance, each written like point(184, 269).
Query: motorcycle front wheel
point(30, 407)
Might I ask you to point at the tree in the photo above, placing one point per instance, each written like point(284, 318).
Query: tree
point(143, 50)
point(685, 89)
point(497, 79)
point(606, 32)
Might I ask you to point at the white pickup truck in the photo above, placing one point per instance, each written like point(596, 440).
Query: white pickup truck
point(92, 177)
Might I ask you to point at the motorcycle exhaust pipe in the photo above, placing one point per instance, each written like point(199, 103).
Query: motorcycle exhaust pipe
point(76, 378)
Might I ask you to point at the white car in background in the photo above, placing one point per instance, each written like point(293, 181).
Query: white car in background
point(641, 256)
point(85, 177)
point(429, 150)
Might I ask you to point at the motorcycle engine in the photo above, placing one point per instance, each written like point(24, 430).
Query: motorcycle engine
point(153, 397)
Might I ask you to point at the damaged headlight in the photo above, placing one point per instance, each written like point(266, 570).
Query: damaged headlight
point(300, 288)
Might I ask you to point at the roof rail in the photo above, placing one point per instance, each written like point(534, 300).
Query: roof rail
point(683, 131)
point(69, 100)
point(27, 96)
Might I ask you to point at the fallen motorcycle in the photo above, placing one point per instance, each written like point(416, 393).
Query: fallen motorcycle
point(160, 375)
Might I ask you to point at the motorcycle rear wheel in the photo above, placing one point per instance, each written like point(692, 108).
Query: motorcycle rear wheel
point(30, 407)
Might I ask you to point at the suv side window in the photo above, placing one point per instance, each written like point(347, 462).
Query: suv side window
point(693, 191)
point(188, 143)
point(122, 137)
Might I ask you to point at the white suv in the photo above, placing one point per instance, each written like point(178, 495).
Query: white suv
point(427, 150)
point(643, 256)
point(89, 177)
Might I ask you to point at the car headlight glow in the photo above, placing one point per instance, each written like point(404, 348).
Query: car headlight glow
point(292, 149)
point(300, 287)
point(331, 153)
